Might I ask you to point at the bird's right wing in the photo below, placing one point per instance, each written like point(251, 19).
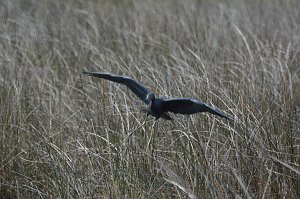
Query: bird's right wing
point(135, 87)
point(190, 106)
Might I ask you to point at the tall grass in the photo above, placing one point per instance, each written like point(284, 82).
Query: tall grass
point(64, 135)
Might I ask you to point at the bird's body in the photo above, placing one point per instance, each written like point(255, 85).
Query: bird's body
point(156, 109)
point(159, 107)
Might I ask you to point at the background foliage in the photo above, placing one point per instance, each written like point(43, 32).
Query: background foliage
point(64, 135)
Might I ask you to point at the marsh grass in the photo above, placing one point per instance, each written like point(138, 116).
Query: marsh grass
point(65, 135)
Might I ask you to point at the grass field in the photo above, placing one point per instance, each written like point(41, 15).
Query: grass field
point(66, 135)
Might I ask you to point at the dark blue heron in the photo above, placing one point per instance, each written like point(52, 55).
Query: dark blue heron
point(159, 107)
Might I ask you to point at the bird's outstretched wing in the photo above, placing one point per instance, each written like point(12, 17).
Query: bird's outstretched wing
point(190, 106)
point(135, 87)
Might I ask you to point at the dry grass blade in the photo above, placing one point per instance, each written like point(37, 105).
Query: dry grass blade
point(242, 183)
point(290, 167)
point(178, 182)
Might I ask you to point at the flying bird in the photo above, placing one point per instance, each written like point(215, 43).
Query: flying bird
point(159, 107)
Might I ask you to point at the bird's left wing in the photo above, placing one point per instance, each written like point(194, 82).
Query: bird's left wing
point(189, 106)
point(133, 85)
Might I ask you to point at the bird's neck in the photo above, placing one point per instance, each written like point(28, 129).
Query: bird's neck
point(153, 102)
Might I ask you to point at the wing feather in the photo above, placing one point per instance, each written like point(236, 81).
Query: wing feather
point(190, 106)
point(133, 85)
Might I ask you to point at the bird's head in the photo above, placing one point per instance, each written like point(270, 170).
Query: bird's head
point(150, 97)
point(150, 102)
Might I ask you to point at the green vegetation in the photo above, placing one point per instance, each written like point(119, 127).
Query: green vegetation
point(64, 135)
